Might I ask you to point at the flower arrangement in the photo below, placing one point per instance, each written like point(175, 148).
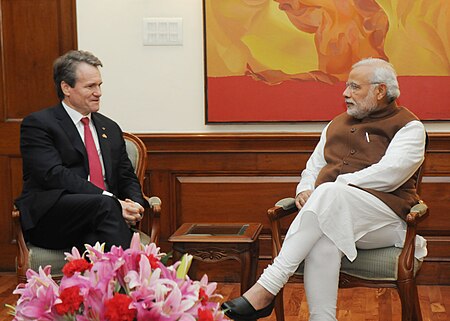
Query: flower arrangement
point(119, 285)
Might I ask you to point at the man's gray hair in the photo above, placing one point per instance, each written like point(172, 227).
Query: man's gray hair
point(65, 67)
point(384, 73)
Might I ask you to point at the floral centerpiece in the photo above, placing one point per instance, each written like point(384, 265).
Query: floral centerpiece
point(119, 285)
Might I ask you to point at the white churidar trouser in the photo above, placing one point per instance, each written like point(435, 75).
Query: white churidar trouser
point(335, 220)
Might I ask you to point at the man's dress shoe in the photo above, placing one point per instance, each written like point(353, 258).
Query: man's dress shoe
point(241, 309)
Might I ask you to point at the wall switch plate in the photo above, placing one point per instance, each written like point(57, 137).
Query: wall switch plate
point(163, 31)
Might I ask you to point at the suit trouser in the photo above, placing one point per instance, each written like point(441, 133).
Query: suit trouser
point(78, 219)
point(306, 240)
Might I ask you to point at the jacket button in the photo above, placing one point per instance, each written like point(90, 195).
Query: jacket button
point(352, 151)
point(352, 130)
point(345, 163)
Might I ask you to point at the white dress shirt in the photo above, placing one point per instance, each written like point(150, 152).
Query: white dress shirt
point(76, 118)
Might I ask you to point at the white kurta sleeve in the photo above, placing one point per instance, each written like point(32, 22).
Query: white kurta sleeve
point(403, 157)
point(313, 166)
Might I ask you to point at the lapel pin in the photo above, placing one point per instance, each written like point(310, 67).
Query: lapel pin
point(103, 128)
point(104, 136)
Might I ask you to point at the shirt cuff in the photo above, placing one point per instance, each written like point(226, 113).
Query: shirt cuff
point(109, 194)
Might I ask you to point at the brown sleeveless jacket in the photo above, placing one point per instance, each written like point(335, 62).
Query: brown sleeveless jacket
point(348, 150)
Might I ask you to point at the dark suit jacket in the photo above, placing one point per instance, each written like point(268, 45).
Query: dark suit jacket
point(55, 162)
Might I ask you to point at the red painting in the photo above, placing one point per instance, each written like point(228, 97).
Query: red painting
point(288, 60)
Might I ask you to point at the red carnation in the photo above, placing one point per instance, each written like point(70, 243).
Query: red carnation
point(137, 259)
point(203, 297)
point(205, 315)
point(71, 301)
point(154, 262)
point(117, 308)
point(79, 265)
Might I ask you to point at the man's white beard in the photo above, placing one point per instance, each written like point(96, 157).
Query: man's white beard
point(364, 108)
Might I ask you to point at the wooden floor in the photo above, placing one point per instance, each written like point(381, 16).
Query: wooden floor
point(353, 304)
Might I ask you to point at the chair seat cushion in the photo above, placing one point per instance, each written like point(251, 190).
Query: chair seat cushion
point(376, 264)
point(39, 256)
point(145, 238)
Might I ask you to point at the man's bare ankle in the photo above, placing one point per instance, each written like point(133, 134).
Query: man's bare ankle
point(258, 297)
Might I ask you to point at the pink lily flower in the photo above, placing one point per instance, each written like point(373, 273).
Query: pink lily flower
point(37, 296)
point(170, 302)
point(157, 292)
point(74, 255)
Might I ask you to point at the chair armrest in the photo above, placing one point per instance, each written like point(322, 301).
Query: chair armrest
point(406, 260)
point(286, 203)
point(154, 201)
point(417, 213)
point(282, 208)
point(155, 215)
point(23, 253)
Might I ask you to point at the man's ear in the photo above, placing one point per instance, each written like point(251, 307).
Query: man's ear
point(381, 91)
point(65, 87)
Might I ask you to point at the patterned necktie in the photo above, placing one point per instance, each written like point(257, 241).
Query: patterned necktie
point(95, 167)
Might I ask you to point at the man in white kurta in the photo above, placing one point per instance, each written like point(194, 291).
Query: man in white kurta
point(402, 159)
point(341, 214)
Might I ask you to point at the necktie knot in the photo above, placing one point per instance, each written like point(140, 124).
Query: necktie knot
point(85, 121)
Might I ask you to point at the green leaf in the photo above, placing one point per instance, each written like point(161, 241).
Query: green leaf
point(166, 258)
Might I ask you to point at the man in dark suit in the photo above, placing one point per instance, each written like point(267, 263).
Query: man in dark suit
point(78, 184)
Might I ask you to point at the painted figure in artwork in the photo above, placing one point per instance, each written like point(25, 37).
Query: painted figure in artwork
point(278, 40)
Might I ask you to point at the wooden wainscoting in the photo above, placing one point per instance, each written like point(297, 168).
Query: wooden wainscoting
point(237, 177)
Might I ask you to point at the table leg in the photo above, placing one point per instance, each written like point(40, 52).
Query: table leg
point(248, 267)
point(249, 264)
point(254, 255)
point(176, 256)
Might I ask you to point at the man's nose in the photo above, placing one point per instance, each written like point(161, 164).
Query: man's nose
point(347, 92)
point(98, 92)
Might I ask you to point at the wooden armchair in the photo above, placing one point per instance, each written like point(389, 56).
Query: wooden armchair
point(31, 256)
point(389, 267)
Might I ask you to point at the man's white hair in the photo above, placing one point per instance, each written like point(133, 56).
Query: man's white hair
point(384, 73)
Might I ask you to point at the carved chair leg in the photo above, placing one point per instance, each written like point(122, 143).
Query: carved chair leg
point(418, 312)
point(417, 315)
point(279, 308)
point(409, 298)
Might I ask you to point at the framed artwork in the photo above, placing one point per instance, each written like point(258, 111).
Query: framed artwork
point(288, 60)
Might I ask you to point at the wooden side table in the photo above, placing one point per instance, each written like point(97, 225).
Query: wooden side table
point(215, 242)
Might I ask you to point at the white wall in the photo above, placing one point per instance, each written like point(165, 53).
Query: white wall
point(151, 89)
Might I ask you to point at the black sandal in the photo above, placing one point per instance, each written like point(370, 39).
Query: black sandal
point(241, 309)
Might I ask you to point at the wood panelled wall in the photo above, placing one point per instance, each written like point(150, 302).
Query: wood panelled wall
point(237, 177)
point(33, 33)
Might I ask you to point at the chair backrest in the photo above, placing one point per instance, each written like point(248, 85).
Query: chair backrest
point(421, 168)
point(137, 153)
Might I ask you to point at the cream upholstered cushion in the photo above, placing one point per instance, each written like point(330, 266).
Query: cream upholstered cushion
point(39, 256)
point(375, 264)
point(145, 238)
point(133, 152)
